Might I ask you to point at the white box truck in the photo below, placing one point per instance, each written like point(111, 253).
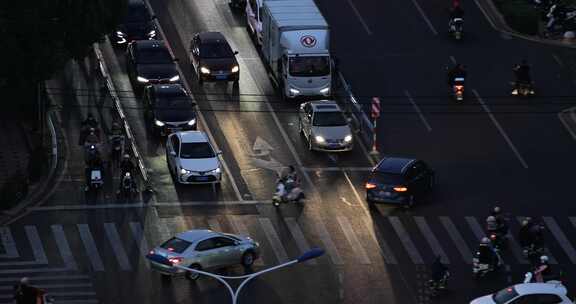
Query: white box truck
point(295, 45)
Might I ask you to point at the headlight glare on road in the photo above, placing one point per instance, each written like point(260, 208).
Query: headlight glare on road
point(158, 123)
point(192, 122)
point(184, 171)
point(142, 79)
point(319, 139)
point(235, 69)
point(204, 70)
point(175, 78)
point(348, 138)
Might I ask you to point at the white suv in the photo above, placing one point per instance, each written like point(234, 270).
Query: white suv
point(192, 159)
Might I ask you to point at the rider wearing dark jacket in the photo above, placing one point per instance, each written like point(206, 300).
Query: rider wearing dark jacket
point(522, 72)
point(457, 71)
point(437, 269)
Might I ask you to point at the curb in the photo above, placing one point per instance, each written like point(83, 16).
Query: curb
point(497, 21)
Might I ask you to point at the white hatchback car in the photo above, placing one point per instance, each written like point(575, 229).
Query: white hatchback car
point(192, 159)
point(553, 293)
point(324, 126)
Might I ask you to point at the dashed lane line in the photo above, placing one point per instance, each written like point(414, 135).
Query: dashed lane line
point(116, 242)
point(404, 237)
point(457, 238)
point(64, 247)
point(431, 238)
point(90, 246)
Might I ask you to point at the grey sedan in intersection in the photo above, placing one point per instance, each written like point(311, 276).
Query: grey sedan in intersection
point(324, 126)
point(203, 249)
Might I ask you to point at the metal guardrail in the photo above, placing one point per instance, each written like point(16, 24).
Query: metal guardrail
point(122, 117)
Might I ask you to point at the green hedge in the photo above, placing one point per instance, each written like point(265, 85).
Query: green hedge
point(520, 15)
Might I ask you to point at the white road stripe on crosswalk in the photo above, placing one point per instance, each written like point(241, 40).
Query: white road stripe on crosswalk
point(512, 244)
point(37, 249)
point(64, 247)
point(457, 238)
point(328, 243)
point(561, 238)
point(274, 240)
point(355, 244)
point(380, 241)
point(58, 294)
point(79, 301)
point(48, 278)
point(551, 258)
point(298, 236)
point(405, 240)
point(90, 246)
point(116, 242)
point(214, 224)
point(163, 230)
point(141, 241)
point(431, 239)
point(24, 271)
point(55, 286)
point(240, 228)
point(10, 249)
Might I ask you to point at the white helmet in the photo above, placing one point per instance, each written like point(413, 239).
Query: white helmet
point(485, 240)
point(24, 281)
point(490, 219)
point(496, 209)
point(544, 259)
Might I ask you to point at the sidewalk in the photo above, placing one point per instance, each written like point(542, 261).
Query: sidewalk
point(14, 158)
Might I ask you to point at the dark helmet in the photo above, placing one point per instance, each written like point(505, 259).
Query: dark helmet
point(524, 62)
point(127, 156)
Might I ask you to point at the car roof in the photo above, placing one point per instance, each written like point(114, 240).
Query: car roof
point(193, 136)
point(531, 288)
point(212, 37)
point(168, 88)
point(148, 44)
point(325, 106)
point(393, 165)
point(194, 235)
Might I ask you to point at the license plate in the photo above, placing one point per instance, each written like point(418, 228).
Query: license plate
point(220, 77)
point(384, 193)
point(172, 130)
point(202, 178)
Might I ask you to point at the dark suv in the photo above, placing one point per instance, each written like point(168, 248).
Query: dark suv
point(169, 109)
point(149, 62)
point(212, 58)
point(399, 181)
point(137, 25)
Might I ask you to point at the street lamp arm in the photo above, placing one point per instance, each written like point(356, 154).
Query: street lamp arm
point(259, 272)
point(253, 275)
point(215, 276)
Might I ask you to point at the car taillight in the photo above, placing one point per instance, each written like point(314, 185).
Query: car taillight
point(493, 237)
point(370, 186)
point(175, 261)
point(400, 189)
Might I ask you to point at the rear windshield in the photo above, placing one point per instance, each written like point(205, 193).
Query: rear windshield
point(504, 295)
point(175, 245)
point(387, 178)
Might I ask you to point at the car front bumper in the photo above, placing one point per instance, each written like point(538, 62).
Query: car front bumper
point(383, 198)
point(333, 147)
point(224, 76)
point(195, 178)
point(165, 269)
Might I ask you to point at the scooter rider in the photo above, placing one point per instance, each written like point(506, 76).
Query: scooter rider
point(89, 123)
point(24, 293)
point(486, 253)
point(126, 165)
point(501, 225)
point(544, 271)
point(127, 182)
point(522, 72)
point(458, 71)
point(455, 12)
point(438, 269)
point(525, 236)
point(94, 163)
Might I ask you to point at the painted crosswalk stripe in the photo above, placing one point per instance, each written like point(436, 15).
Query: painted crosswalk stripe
point(10, 249)
point(457, 238)
point(140, 240)
point(54, 286)
point(116, 242)
point(63, 247)
point(512, 244)
point(376, 236)
point(405, 240)
point(37, 249)
point(561, 238)
point(355, 244)
point(273, 239)
point(328, 243)
point(431, 238)
point(240, 228)
point(298, 236)
point(214, 224)
point(90, 246)
point(79, 301)
point(47, 278)
point(551, 258)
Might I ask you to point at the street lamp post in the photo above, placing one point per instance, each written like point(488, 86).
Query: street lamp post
point(311, 254)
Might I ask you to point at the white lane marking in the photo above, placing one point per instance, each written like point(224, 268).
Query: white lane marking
point(90, 246)
point(117, 247)
point(36, 244)
point(500, 129)
point(353, 240)
point(55, 286)
point(457, 238)
point(48, 278)
point(417, 108)
point(479, 233)
point(366, 28)
point(298, 236)
point(328, 243)
point(376, 236)
point(240, 228)
point(331, 169)
point(60, 294)
point(79, 301)
point(552, 259)
point(421, 11)
point(70, 207)
point(431, 238)
point(565, 123)
point(561, 238)
point(64, 247)
point(274, 240)
point(405, 240)
point(214, 224)
point(486, 15)
point(10, 249)
point(558, 60)
point(24, 271)
point(453, 59)
point(141, 241)
point(357, 195)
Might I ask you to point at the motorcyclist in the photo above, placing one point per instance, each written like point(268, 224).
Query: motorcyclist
point(126, 165)
point(486, 253)
point(525, 236)
point(127, 182)
point(438, 269)
point(24, 293)
point(290, 179)
point(458, 71)
point(455, 12)
point(89, 123)
point(522, 73)
point(95, 163)
point(91, 153)
point(116, 129)
point(543, 271)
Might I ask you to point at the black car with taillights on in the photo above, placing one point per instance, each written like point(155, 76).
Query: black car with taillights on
point(137, 24)
point(401, 181)
point(149, 62)
point(169, 109)
point(213, 59)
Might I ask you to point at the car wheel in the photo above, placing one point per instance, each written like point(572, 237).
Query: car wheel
point(193, 276)
point(247, 259)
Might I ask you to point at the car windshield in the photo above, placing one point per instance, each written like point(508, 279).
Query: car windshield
point(329, 119)
point(309, 66)
point(504, 295)
point(154, 55)
point(173, 101)
point(137, 14)
point(175, 245)
point(216, 50)
point(196, 150)
point(387, 178)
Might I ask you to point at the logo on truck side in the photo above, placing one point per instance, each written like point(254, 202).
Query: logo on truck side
point(308, 41)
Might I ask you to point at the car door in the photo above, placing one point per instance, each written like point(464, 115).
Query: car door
point(130, 62)
point(229, 253)
point(195, 52)
point(172, 151)
point(207, 253)
point(149, 106)
point(307, 120)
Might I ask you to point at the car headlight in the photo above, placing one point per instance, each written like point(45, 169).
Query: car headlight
point(158, 123)
point(120, 34)
point(184, 171)
point(204, 70)
point(235, 69)
point(294, 91)
point(319, 139)
point(348, 138)
point(325, 90)
point(175, 78)
point(215, 171)
point(152, 33)
point(192, 122)
point(142, 79)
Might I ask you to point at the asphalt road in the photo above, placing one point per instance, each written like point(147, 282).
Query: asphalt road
point(492, 148)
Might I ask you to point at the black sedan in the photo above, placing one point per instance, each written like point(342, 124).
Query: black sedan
point(399, 181)
point(150, 62)
point(169, 109)
point(137, 25)
point(213, 59)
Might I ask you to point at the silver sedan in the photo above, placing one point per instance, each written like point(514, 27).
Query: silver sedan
point(204, 249)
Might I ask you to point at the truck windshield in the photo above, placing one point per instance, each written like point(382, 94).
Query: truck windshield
point(303, 66)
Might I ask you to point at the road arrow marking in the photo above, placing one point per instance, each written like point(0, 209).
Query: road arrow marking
point(261, 147)
point(271, 164)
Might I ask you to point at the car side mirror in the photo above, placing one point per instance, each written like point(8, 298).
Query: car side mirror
point(235, 52)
